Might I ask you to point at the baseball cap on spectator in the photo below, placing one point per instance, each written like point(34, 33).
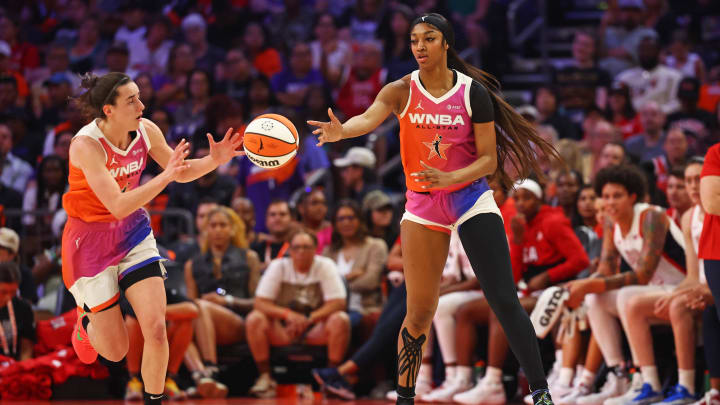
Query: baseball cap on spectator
point(5, 49)
point(639, 4)
point(689, 89)
point(357, 155)
point(619, 88)
point(531, 186)
point(118, 46)
point(193, 20)
point(56, 79)
point(9, 239)
point(376, 200)
point(529, 112)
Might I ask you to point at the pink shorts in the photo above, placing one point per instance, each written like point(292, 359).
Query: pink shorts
point(445, 211)
point(97, 255)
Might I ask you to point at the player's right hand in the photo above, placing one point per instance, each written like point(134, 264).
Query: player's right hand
point(177, 165)
point(328, 131)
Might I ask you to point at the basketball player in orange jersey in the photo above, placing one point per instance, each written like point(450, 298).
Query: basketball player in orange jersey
point(107, 243)
point(448, 113)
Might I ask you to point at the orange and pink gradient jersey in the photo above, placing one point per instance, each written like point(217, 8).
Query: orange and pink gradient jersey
point(125, 166)
point(438, 131)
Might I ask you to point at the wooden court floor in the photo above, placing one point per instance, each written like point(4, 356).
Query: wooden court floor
point(227, 401)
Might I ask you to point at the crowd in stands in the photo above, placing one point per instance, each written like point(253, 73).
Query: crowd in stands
point(309, 253)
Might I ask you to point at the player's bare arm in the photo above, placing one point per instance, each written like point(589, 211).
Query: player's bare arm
point(691, 258)
point(87, 155)
point(655, 227)
point(220, 152)
point(710, 194)
point(388, 100)
point(609, 257)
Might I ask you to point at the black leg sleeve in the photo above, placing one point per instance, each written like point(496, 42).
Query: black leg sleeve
point(484, 240)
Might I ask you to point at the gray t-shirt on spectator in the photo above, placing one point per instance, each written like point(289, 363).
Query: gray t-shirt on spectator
point(639, 151)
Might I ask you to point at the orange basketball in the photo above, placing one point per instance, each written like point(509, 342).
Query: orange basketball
point(271, 140)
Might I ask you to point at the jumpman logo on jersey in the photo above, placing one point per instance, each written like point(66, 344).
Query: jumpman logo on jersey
point(437, 148)
point(113, 161)
point(77, 243)
point(419, 105)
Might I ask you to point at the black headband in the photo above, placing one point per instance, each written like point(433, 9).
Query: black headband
point(119, 83)
point(439, 23)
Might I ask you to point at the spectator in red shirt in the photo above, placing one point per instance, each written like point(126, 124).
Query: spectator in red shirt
point(364, 81)
point(709, 248)
point(543, 246)
point(24, 55)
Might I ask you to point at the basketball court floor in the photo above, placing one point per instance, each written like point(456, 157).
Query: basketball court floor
point(227, 401)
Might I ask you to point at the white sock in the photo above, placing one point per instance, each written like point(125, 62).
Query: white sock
point(587, 378)
point(463, 373)
point(566, 376)
point(450, 373)
point(493, 374)
point(425, 373)
point(579, 369)
point(650, 376)
point(686, 378)
point(558, 358)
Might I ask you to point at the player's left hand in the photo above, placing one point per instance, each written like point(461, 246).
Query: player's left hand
point(580, 288)
point(434, 177)
point(221, 152)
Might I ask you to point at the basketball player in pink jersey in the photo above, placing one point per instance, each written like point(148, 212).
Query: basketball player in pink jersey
point(448, 112)
point(107, 243)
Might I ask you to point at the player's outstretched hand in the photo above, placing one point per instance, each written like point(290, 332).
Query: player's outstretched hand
point(227, 148)
point(177, 165)
point(328, 131)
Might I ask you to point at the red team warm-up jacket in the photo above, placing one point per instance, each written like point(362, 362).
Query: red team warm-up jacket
point(549, 245)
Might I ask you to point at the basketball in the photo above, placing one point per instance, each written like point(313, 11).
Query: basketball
point(271, 140)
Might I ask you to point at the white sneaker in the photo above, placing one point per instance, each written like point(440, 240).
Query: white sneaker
point(445, 392)
point(630, 394)
point(554, 373)
point(581, 390)
point(711, 397)
point(485, 392)
point(423, 387)
point(613, 387)
point(560, 390)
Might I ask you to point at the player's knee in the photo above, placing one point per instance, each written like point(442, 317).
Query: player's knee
point(339, 322)
point(444, 309)
point(420, 318)
point(678, 310)
point(464, 313)
point(155, 331)
point(119, 348)
point(256, 320)
point(629, 305)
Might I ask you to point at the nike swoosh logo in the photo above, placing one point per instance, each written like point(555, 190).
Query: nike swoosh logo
point(156, 397)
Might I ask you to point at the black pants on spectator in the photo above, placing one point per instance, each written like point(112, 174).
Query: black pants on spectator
point(387, 329)
point(711, 338)
point(712, 274)
point(711, 319)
